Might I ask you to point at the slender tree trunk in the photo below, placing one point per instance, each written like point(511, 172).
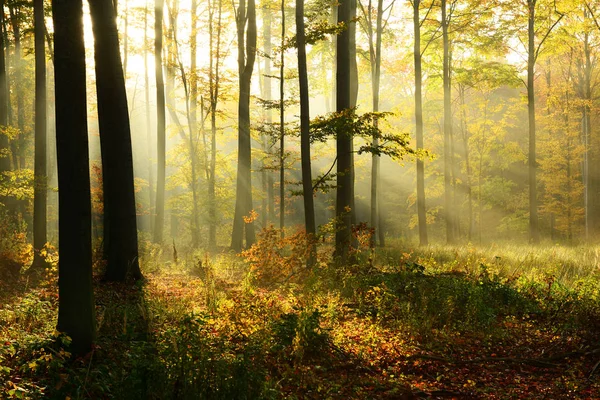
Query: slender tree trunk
point(214, 86)
point(149, 147)
point(14, 17)
point(421, 210)
point(267, 95)
point(193, 107)
point(353, 103)
point(309, 206)
point(534, 234)
point(246, 58)
point(590, 182)
point(449, 212)
point(343, 140)
point(125, 38)
point(375, 62)
point(40, 182)
point(120, 225)
point(282, 126)
point(4, 142)
point(465, 137)
point(75, 293)
point(160, 123)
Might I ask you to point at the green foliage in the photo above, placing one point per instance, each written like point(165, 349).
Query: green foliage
point(348, 122)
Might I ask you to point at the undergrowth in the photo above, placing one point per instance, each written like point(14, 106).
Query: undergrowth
point(265, 326)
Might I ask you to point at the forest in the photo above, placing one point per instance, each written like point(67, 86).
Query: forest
point(307, 199)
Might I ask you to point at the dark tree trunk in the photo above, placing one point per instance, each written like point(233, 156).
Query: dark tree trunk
point(246, 56)
point(120, 228)
point(75, 302)
point(343, 140)
point(160, 123)
point(309, 205)
point(4, 142)
point(40, 182)
point(421, 209)
point(282, 125)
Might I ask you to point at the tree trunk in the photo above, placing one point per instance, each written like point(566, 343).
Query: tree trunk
point(14, 17)
point(465, 137)
point(449, 212)
point(309, 206)
point(246, 57)
point(534, 234)
point(267, 95)
point(375, 62)
point(4, 142)
point(421, 210)
point(193, 107)
point(282, 125)
point(160, 123)
point(75, 301)
point(214, 86)
point(149, 147)
point(120, 226)
point(343, 140)
point(40, 181)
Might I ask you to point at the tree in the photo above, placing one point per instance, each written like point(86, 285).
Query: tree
point(75, 301)
point(374, 37)
point(246, 36)
point(4, 142)
point(533, 52)
point(421, 210)
point(40, 186)
point(120, 228)
point(449, 212)
point(214, 87)
point(344, 181)
point(307, 189)
point(160, 122)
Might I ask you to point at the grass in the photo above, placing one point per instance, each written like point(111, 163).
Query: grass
point(490, 322)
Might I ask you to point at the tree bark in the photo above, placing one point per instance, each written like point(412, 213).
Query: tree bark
point(4, 142)
point(120, 225)
point(149, 147)
point(449, 212)
point(75, 301)
point(246, 58)
point(282, 125)
point(160, 122)
point(214, 87)
point(344, 191)
point(309, 206)
point(421, 209)
point(534, 235)
point(40, 180)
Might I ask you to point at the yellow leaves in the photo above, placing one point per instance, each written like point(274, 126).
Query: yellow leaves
point(248, 219)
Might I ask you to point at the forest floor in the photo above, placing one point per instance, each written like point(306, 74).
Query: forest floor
point(229, 328)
